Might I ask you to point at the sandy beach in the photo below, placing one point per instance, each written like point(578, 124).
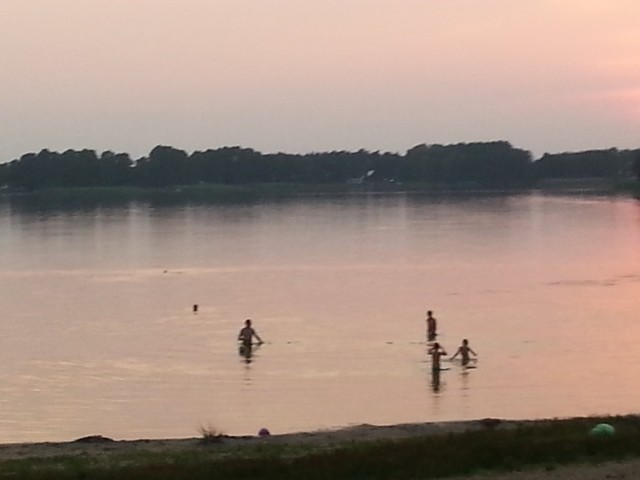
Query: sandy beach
point(97, 446)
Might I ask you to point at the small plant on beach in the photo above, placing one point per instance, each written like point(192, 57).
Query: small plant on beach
point(210, 434)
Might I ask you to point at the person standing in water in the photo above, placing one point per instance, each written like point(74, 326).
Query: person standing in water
point(464, 350)
point(247, 334)
point(431, 327)
point(436, 351)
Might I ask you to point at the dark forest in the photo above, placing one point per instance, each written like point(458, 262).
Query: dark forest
point(491, 165)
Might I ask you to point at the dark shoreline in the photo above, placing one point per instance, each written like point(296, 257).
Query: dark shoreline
point(88, 197)
point(549, 449)
point(319, 438)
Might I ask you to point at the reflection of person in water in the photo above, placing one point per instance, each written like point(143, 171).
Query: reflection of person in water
point(248, 352)
point(435, 380)
point(246, 336)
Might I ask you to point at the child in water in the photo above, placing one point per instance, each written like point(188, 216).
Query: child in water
point(247, 334)
point(436, 351)
point(464, 350)
point(431, 327)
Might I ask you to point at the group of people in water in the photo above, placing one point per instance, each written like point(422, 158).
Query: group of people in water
point(437, 351)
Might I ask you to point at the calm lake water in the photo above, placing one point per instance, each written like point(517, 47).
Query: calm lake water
point(99, 336)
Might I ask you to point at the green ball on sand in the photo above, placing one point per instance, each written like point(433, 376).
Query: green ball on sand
point(602, 430)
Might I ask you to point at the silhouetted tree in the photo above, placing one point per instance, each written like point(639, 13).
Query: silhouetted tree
point(636, 165)
point(493, 164)
point(114, 169)
point(4, 174)
point(593, 163)
point(165, 166)
point(33, 171)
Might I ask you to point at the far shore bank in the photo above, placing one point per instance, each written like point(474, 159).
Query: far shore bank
point(208, 192)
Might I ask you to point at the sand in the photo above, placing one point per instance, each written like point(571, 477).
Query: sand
point(97, 445)
point(100, 446)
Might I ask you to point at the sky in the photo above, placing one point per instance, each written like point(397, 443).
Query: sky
point(301, 76)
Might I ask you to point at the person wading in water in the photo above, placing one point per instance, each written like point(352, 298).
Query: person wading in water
point(431, 327)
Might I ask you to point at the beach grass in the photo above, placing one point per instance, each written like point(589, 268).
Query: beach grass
point(492, 448)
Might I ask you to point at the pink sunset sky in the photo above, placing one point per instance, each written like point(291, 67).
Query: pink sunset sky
point(317, 75)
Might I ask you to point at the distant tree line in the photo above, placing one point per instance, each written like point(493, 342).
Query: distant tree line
point(611, 163)
point(486, 165)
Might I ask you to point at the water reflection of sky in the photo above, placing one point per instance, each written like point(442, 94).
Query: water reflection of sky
point(97, 314)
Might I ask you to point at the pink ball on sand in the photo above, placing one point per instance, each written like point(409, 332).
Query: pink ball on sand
point(263, 432)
